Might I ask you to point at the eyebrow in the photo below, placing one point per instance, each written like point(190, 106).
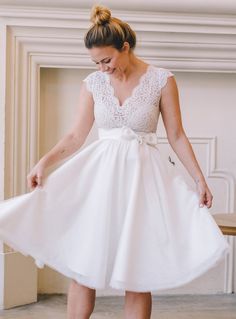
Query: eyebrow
point(101, 60)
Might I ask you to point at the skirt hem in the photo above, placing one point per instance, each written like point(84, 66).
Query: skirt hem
point(119, 285)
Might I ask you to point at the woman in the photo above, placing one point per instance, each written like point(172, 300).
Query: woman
point(122, 216)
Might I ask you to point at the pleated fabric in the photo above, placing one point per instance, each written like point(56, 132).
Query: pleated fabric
point(117, 214)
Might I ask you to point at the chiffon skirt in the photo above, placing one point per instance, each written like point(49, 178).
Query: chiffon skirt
point(117, 214)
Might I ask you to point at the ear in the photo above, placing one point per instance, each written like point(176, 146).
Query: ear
point(126, 47)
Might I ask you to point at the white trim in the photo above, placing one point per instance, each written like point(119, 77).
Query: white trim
point(210, 6)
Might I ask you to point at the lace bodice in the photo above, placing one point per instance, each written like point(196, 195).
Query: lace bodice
point(140, 111)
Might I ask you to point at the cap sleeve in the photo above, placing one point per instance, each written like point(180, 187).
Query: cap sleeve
point(89, 80)
point(164, 74)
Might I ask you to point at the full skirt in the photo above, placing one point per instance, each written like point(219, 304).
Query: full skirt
point(116, 214)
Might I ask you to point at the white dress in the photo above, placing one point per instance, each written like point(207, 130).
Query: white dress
point(117, 213)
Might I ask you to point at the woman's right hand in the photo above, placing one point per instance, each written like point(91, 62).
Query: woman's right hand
point(35, 176)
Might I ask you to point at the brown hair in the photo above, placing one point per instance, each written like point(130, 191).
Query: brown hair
point(108, 31)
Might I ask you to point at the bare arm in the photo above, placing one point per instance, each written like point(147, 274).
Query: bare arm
point(72, 140)
point(76, 136)
point(171, 114)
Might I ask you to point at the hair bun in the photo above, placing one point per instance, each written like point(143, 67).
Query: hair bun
point(100, 15)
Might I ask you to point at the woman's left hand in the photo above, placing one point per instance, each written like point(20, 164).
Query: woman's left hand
point(205, 195)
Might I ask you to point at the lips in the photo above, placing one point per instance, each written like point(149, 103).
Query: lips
point(111, 71)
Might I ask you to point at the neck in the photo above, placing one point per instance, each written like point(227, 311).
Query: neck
point(133, 65)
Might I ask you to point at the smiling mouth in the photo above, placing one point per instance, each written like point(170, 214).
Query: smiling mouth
point(111, 71)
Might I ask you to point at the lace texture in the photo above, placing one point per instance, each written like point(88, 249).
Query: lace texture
point(140, 111)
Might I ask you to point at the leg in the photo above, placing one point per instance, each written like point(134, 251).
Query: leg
point(138, 305)
point(80, 301)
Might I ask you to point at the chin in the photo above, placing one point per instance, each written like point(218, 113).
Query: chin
point(111, 72)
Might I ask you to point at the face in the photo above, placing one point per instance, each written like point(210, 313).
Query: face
point(109, 59)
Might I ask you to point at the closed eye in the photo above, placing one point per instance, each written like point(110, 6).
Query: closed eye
point(108, 61)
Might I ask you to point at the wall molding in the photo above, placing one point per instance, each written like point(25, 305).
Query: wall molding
point(192, 51)
point(200, 6)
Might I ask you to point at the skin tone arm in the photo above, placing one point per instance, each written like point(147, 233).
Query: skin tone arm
point(171, 114)
point(71, 142)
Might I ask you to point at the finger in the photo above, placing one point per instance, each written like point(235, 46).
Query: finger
point(33, 182)
point(209, 205)
point(209, 198)
point(202, 199)
point(33, 186)
point(39, 180)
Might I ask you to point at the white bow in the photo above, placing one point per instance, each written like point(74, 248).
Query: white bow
point(149, 138)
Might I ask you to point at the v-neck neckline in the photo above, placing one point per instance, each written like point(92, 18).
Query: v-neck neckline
point(141, 78)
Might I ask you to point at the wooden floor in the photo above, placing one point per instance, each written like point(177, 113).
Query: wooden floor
point(163, 307)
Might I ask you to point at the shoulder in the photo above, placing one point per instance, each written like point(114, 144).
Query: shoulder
point(92, 78)
point(162, 75)
point(162, 71)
